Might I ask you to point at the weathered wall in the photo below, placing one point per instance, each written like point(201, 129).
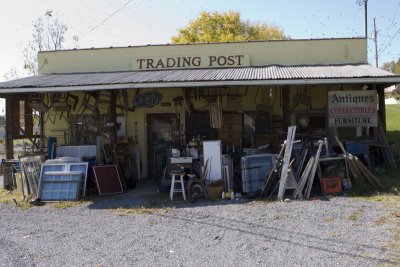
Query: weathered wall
point(286, 52)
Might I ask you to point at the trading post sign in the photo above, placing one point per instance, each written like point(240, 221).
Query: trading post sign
point(353, 108)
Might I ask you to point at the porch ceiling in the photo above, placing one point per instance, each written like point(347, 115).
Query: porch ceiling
point(263, 75)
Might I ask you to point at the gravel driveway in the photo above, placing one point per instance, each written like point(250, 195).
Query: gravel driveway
point(112, 232)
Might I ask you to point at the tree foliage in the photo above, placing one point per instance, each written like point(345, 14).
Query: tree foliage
point(225, 27)
point(48, 34)
point(392, 66)
point(12, 74)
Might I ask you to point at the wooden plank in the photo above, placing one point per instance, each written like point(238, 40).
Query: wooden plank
point(370, 177)
point(270, 184)
point(286, 160)
point(313, 171)
point(273, 177)
point(298, 193)
point(387, 152)
point(359, 171)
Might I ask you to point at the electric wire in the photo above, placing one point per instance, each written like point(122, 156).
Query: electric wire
point(107, 18)
point(391, 24)
point(397, 32)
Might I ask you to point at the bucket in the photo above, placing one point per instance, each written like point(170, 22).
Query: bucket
point(214, 189)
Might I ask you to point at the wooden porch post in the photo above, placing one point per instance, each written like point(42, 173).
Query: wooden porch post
point(382, 107)
point(10, 101)
point(113, 115)
point(286, 107)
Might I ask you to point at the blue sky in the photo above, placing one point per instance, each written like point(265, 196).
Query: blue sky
point(139, 22)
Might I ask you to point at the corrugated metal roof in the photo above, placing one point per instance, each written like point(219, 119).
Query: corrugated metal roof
point(263, 73)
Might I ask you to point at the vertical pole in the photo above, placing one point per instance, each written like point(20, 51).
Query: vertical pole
point(382, 106)
point(366, 18)
point(376, 45)
point(286, 106)
point(10, 101)
point(112, 116)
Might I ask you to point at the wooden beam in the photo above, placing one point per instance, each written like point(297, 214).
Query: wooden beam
point(113, 116)
point(10, 101)
point(382, 107)
point(286, 161)
point(286, 106)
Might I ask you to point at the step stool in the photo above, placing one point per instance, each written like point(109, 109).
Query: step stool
point(177, 178)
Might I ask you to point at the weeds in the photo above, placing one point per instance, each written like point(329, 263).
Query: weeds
point(356, 215)
point(67, 204)
point(329, 219)
point(124, 211)
point(14, 197)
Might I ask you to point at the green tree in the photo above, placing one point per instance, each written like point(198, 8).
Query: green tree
point(225, 27)
point(392, 66)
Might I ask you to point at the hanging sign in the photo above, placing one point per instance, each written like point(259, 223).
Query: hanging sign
point(353, 108)
point(147, 99)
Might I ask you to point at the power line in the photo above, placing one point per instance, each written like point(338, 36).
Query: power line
point(107, 18)
point(380, 51)
point(391, 24)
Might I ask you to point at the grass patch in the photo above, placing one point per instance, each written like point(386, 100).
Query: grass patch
point(124, 211)
point(8, 197)
point(381, 220)
point(67, 204)
point(329, 219)
point(385, 198)
point(393, 122)
point(332, 234)
point(356, 215)
point(390, 179)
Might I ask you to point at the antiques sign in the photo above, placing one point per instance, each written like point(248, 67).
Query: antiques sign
point(352, 108)
point(199, 61)
point(147, 99)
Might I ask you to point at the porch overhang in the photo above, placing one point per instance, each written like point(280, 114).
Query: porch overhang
point(272, 75)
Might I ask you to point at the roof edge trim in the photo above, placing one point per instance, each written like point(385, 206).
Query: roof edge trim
point(376, 80)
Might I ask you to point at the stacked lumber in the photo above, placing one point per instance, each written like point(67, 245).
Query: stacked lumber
point(285, 176)
point(360, 174)
point(386, 150)
point(303, 179)
point(306, 181)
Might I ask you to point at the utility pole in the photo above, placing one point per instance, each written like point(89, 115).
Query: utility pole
point(360, 3)
point(366, 18)
point(376, 45)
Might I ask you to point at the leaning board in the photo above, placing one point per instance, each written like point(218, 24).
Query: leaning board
point(107, 180)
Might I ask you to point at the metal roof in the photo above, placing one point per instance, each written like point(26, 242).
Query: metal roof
point(271, 74)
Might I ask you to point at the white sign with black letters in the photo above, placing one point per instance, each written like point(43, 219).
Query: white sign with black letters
point(353, 108)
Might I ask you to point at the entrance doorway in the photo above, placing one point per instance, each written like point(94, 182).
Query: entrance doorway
point(163, 132)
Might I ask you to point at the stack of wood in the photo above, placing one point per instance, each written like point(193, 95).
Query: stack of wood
point(360, 174)
point(386, 150)
point(287, 175)
point(304, 186)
